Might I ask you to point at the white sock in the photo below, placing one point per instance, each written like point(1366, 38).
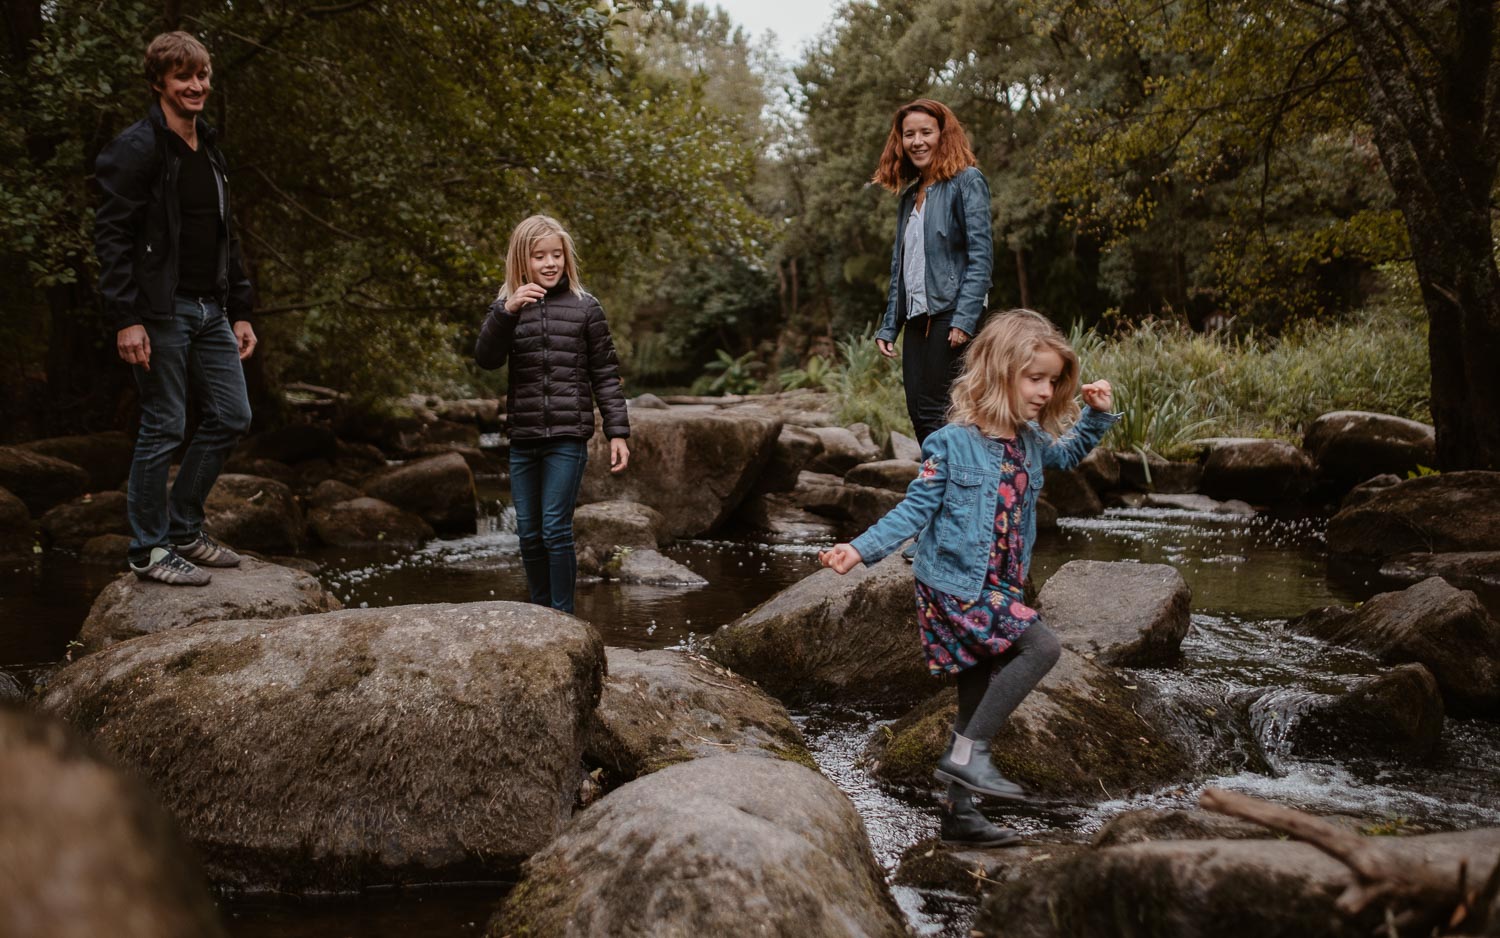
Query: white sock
point(963, 747)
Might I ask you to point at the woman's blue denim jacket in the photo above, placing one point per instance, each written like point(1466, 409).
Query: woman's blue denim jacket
point(952, 501)
point(960, 253)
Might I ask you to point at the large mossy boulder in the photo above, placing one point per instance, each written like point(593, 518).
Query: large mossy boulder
point(1080, 734)
point(254, 513)
point(105, 456)
point(832, 638)
point(1210, 889)
point(40, 481)
point(663, 707)
point(1455, 511)
point(1258, 471)
point(1433, 624)
point(438, 488)
point(731, 845)
point(348, 749)
point(694, 467)
point(129, 607)
point(1140, 624)
point(1350, 446)
point(72, 523)
point(368, 522)
point(86, 851)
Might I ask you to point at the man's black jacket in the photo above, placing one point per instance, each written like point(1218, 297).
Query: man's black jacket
point(137, 225)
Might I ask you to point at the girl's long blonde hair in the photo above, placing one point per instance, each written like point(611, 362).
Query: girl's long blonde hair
point(518, 254)
point(985, 393)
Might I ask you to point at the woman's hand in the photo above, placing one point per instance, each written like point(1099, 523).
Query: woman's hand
point(957, 337)
point(525, 294)
point(619, 455)
point(1098, 395)
point(888, 349)
point(841, 558)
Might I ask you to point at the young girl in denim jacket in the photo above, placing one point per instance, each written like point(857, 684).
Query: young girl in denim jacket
point(974, 502)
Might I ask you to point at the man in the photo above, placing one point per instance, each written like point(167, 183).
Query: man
point(170, 266)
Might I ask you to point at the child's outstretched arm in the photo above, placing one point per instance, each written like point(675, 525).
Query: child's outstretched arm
point(923, 498)
point(1068, 450)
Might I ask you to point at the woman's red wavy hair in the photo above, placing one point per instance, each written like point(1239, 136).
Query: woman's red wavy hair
point(953, 155)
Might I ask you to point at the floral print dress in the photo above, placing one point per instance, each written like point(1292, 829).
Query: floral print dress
point(957, 634)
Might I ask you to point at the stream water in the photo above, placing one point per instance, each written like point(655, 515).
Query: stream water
point(1243, 681)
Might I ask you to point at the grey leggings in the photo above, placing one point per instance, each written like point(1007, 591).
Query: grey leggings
point(989, 691)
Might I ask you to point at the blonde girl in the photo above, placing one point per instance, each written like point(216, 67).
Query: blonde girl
point(974, 503)
point(562, 361)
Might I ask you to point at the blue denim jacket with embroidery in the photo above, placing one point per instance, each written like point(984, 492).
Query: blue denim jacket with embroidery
point(959, 250)
point(952, 500)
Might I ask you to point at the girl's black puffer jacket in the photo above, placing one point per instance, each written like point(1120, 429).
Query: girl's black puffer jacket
point(562, 359)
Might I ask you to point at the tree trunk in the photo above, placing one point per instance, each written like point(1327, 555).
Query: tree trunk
point(1435, 109)
point(1021, 279)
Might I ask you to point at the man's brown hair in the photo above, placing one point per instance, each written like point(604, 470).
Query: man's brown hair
point(171, 52)
point(953, 154)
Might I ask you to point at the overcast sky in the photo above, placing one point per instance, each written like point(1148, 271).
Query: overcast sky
point(793, 21)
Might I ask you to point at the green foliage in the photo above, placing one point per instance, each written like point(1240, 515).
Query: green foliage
point(818, 373)
point(869, 387)
point(728, 375)
point(1174, 385)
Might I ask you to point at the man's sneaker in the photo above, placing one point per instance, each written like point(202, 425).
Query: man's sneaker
point(167, 567)
point(207, 552)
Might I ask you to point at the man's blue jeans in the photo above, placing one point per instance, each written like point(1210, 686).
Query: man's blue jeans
point(544, 479)
point(193, 351)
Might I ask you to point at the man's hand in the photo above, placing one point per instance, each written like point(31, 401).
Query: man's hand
point(246, 337)
point(841, 558)
point(134, 346)
point(1098, 395)
point(957, 337)
point(888, 349)
point(525, 293)
point(619, 455)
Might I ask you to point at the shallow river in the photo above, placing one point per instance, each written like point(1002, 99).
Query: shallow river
point(1242, 683)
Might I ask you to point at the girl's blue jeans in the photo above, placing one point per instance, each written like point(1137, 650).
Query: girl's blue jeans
point(544, 479)
point(195, 352)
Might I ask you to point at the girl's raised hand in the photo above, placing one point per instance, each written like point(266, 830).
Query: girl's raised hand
point(841, 558)
point(1098, 395)
point(526, 293)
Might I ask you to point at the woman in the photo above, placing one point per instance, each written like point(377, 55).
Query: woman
point(941, 260)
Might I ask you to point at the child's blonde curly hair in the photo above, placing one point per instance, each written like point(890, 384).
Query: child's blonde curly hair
point(985, 393)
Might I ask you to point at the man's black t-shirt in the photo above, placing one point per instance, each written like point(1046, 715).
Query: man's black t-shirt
point(198, 241)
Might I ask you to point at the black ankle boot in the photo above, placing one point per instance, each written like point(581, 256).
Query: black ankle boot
point(961, 825)
point(976, 773)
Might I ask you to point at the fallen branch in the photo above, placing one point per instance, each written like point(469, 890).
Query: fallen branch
point(1430, 897)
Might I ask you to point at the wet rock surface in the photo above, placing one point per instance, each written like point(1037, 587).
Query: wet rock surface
point(40, 481)
point(1350, 446)
point(892, 474)
point(1071, 494)
point(663, 707)
point(693, 467)
point(438, 488)
point(1154, 474)
point(86, 850)
point(354, 748)
point(777, 518)
point(254, 513)
point(105, 456)
point(1257, 471)
point(129, 607)
point(1125, 614)
point(1434, 624)
point(1147, 824)
point(1465, 570)
point(1455, 511)
point(1210, 888)
point(602, 528)
point(832, 638)
point(710, 847)
point(367, 522)
point(1080, 733)
point(1395, 716)
point(72, 523)
point(17, 532)
point(650, 568)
